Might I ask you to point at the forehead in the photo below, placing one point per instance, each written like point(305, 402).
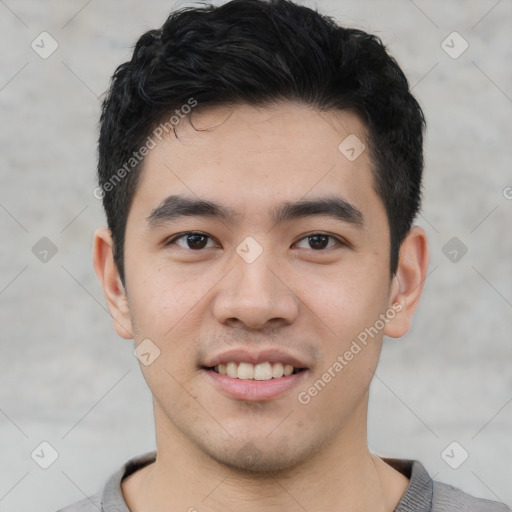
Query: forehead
point(251, 158)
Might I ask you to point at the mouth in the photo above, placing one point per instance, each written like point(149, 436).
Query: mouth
point(264, 371)
point(250, 375)
point(243, 376)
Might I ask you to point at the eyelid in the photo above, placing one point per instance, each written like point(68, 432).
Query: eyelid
point(172, 240)
point(337, 238)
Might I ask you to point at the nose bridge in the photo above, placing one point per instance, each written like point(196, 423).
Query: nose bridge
point(252, 293)
point(254, 277)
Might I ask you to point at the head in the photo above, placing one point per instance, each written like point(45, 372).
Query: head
point(291, 148)
point(260, 53)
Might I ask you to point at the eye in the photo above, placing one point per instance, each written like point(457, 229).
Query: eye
point(319, 241)
point(191, 240)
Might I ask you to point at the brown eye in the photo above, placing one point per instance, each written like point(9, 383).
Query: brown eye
point(197, 241)
point(194, 241)
point(318, 242)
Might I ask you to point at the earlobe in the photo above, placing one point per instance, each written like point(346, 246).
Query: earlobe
point(113, 289)
point(408, 282)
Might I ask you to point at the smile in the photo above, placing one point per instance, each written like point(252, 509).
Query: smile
point(261, 371)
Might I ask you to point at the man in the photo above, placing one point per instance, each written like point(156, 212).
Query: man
point(260, 168)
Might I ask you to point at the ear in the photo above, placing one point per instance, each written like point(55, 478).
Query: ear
point(113, 289)
point(408, 282)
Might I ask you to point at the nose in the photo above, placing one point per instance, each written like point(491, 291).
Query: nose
point(255, 295)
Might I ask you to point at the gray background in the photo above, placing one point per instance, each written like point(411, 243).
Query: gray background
point(67, 378)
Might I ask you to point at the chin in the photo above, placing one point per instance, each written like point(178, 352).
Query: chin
point(263, 457)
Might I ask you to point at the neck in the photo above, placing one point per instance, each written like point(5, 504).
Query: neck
point(343, 475)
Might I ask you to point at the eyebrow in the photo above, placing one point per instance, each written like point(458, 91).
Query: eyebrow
point(176, 206)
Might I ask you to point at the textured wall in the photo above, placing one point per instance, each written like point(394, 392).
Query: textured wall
point(67, 378)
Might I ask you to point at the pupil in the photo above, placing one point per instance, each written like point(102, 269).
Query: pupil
point(196, 241)
point(318, 241)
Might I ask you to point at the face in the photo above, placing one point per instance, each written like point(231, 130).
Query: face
point(251, 248)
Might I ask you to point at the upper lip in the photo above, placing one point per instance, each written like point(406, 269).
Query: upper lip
point(254, 357)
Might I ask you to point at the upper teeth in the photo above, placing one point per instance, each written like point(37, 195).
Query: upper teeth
point(248, 371)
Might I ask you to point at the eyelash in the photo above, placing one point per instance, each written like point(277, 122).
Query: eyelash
point(174, 239)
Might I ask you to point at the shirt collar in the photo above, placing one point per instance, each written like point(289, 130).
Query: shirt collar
point(417, 497)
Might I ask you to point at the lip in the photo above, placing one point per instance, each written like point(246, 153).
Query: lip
point(253, 390)
point(255, 357)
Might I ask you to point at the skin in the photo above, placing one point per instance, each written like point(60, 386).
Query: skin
point(309, 302)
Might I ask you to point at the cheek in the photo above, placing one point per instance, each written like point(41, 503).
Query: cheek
point(344, 302)
point(160, 300)
point(344, 311)
point(169, 309)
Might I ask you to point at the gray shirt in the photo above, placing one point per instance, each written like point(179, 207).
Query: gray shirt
point(422, 494)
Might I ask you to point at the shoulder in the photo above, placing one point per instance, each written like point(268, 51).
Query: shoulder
point(110, 498)
point(446, 498)
point(425, 495)
point(90, 504)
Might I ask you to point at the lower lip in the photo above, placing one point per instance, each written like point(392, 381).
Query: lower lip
point(254, 389)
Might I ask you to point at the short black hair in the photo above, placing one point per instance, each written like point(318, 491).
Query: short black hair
point(260, 52)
